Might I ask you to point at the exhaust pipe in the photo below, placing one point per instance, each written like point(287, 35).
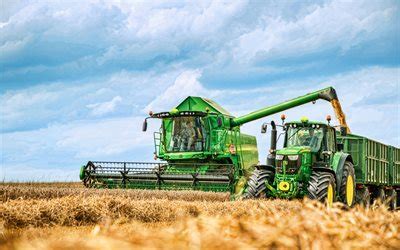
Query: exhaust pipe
point(272, 151)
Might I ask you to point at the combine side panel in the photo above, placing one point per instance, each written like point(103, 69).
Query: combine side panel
point(163, 176)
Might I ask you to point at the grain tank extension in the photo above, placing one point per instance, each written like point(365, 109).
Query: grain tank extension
point(200, 146)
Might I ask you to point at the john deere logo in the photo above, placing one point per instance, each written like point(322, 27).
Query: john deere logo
point(285, 163)
point(284, 186)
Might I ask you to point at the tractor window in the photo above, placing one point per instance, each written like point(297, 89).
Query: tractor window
point(188, 134)
point(305, 136)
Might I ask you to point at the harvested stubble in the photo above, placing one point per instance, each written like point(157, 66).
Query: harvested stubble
point(100, 219)
point(26, 192)
point(82, 210)
point(309, 225)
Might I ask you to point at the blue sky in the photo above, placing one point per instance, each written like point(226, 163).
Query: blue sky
point(77, 78)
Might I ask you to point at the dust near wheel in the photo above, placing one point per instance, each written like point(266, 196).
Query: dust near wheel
point(256, 187)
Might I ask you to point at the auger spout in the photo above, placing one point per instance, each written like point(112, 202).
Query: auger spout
point(328, 94)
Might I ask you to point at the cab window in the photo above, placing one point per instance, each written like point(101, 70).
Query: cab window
point(331, 140)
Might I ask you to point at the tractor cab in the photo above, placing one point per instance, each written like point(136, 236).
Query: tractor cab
point(307, 145)
point(309, 136)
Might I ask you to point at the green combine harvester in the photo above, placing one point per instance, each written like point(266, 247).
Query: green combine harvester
point(201, 148)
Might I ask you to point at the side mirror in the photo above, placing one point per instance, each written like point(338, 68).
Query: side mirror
point(343, 131)
point(144, 128)
point(264, 128)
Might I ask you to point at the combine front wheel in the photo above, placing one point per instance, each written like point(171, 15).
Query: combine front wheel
point(256, 187)
point(322, 187)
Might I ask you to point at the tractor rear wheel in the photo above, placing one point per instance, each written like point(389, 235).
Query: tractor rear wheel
point(256, 187)
point(363, 197)
point(347, 189)
point(322, 187)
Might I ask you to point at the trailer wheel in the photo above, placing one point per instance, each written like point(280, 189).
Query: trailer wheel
point(393, 199)
point(363, 197)
point(256, 187)
point(322, 187)
point(398, 197)
point(347, 189)
point(380, 196)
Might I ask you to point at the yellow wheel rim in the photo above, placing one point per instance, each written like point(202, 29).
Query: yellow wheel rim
point(329, 197)
point(349, 190)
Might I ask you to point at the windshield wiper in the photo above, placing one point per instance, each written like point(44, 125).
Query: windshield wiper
point(294, 134)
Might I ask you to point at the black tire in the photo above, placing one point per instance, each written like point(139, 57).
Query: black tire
point(363, 197)
point(319, 184)
point(392, 199)
point(380, 196)
point(256, 187)
point(347, 189)
point(398, 197)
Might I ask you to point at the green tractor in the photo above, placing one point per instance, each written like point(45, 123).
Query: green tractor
point(309, 164)
point(324, 164)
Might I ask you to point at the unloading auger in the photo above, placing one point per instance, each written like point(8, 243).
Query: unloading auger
point(200, 146)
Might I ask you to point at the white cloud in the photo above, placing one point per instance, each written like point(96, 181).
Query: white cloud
point(103, 108)
point(186, 84)
point(121, 93)
point(335, 24)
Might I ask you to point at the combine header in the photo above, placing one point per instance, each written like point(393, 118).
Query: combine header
point(201, 147)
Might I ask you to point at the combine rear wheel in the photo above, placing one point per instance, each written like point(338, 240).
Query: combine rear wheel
point(347, 189)
point(363, 197)
point(256, 187)
point(322, 187)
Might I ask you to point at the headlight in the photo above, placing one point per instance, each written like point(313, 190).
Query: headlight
point(279, 157)
point(293, 157)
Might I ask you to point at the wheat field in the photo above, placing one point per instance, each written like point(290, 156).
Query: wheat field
point(67, 216)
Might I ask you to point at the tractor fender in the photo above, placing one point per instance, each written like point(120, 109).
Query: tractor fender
point(337, 165)
point(322, 169)
point(265, 167)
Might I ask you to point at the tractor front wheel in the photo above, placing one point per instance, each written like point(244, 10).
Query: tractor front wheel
point(322, 187)
point(256, 187)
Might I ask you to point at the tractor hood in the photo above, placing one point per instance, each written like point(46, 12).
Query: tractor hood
point(293, 150)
